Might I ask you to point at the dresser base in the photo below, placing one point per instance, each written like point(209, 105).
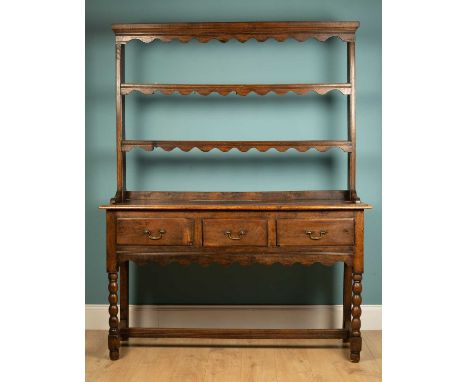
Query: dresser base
point(235, 228)
point(120, 330)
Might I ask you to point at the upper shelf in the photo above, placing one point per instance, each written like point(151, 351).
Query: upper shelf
point(241, 31)
point(239, 89)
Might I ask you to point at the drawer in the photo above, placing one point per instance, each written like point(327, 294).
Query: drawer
point(229, 232)
point(315, 231)
point(155, 231)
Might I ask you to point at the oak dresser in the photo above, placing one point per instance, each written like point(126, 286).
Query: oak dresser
point(289, 227)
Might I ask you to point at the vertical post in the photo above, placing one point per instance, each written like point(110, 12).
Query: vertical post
point(120, 118)
point(352, 121)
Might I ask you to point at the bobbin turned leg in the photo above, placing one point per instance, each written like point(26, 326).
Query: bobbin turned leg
point(356, 340)
point(113, 338)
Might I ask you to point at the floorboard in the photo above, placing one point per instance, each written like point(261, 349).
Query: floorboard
point(253, 360)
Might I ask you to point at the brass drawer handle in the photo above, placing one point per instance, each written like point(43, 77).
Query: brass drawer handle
point(148, 234)
point(312, 233)
point(239, 235)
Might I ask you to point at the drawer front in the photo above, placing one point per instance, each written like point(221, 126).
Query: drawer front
point(315, 231)
point(230, 232)
point(155, 231)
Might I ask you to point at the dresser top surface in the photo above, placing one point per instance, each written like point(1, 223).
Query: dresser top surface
point(265, 201)
point(242, 26)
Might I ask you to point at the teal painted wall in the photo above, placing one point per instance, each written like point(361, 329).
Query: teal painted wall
point(214, 117)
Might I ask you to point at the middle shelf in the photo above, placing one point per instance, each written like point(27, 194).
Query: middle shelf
point(239, 89)
point(319, 145)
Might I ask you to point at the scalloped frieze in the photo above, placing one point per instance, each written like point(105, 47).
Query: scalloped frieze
point(244, 146)
point(241, 90)
point(243, 260)
point(301, 37)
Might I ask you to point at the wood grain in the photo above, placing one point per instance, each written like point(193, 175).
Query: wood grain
point(287, 227)
point(224, 146)
point(260, 201)
point(358, 263)
point(235, 232)
point(111, 253)
point(120, 119)
point(226, 258)
point(238, 360)
point(351, 66)
point(113, 337)
point(176, 231)
point(355, 335)
point(235, 333)
point(261, 197)
point(239, 89)
point(294, 232)
point(241, 31)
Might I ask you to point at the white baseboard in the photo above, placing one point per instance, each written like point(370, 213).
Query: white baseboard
point(235, 316)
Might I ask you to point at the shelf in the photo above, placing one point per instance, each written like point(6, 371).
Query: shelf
point(240, 31)
point(239, 89)
point(243, 146)
point(265, 201)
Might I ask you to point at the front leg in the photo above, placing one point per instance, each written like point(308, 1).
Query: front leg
point(355, 339)
point(113, 338)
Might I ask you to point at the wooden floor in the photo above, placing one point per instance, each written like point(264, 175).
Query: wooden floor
point(193, 360)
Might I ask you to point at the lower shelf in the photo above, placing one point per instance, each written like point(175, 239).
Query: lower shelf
point(235, 333)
